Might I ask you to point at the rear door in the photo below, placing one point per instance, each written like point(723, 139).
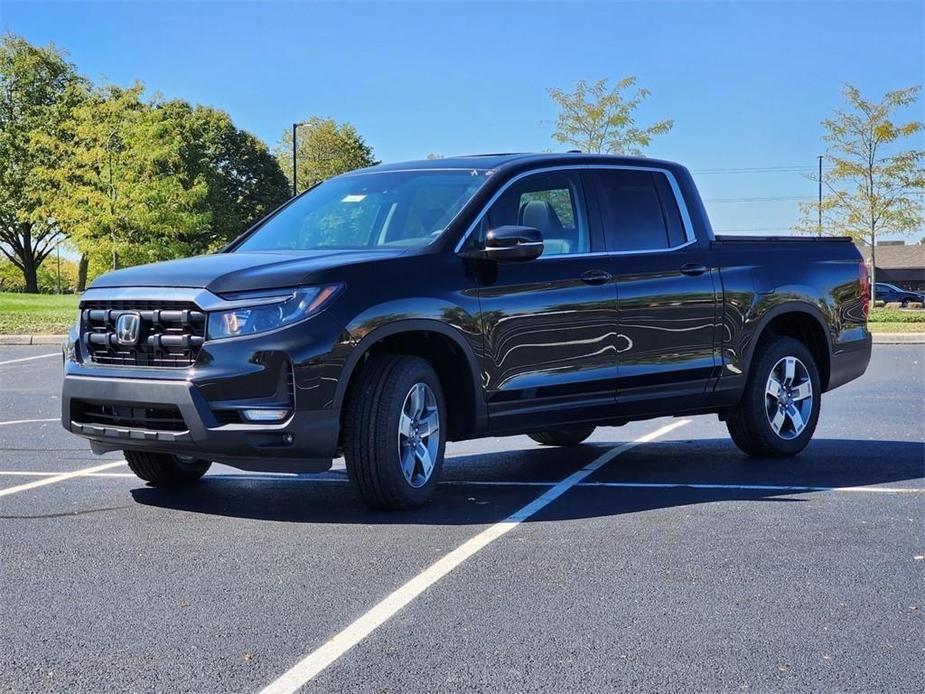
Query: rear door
point(666, 288)
point(549, 324)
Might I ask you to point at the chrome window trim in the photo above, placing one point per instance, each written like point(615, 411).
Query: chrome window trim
point(566, 256)
point(649, 251)
point(563, 256)
point(675, 189)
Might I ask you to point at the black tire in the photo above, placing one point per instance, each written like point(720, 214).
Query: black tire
point(564, 436)
point(371, 432)
point(749, 423)
point(165, 470)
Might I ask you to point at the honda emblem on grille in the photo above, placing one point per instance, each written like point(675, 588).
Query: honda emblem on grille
point(128, 326)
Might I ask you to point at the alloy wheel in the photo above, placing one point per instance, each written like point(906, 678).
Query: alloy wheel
point(789, 398)
point(419, 434)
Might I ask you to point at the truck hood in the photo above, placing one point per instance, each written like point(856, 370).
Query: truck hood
point(234, 272)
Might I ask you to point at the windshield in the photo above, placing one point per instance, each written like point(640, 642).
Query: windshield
point(392, 209)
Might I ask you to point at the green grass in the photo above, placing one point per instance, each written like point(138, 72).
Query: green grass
point(896, 327)
point(37, 314)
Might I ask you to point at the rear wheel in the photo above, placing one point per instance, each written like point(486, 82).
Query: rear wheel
point(393, 432)
point(563, 436)
point(165, 470)
point(780, 407)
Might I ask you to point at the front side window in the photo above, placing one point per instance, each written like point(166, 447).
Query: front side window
point(638, 210)
point(551, 202)
point(370, 210)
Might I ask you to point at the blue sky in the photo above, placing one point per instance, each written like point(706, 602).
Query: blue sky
point(746, 83)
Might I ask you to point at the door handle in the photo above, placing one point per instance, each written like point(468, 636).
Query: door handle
point(693, 269)
point(596, 277)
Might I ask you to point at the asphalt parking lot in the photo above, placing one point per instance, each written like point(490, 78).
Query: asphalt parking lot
point(676, 565)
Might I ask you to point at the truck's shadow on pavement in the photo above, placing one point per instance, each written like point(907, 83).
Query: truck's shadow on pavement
point(467, 499)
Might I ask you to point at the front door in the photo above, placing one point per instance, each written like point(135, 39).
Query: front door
point(666, 289)
point(548, 324)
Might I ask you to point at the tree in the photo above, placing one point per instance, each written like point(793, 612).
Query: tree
point(139, 181)
point(38, 87)
point(244, 181)
point(596, 118)
point(118, 182)
point(875, 184)
point(325, 149)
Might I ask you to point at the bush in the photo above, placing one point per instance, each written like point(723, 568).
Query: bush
point(894, 315)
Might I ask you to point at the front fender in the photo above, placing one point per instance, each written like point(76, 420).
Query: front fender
point(414, 315)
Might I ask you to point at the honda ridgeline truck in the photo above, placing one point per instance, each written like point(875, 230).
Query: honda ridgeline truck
point(389, 310)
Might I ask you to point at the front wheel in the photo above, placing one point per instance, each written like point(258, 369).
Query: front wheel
point(165, 470)
point(780, 407)
point(563, 436)
point(394, 435)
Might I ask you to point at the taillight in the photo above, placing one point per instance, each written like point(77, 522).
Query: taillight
point(864, 276)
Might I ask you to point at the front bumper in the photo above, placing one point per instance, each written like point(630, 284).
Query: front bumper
point(191, 401)
point(306, 442)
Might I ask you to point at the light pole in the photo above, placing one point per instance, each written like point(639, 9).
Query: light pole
point(820, 195)
point(295, 130)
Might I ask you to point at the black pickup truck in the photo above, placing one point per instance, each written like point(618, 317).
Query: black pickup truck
point(392, 309)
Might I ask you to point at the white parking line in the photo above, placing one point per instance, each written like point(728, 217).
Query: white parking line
point(755, 487)
point(40, 356)
point(319, 659)
point(695, 485)
point(29, 421)
point(59, 478)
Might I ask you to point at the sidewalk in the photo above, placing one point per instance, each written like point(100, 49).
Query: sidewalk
point(32, 339)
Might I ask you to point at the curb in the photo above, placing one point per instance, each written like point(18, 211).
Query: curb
point(32, 339)
point(879, 339)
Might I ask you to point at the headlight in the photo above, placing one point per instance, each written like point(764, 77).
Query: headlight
point(258, 312)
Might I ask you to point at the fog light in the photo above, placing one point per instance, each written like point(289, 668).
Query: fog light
point(265, 415)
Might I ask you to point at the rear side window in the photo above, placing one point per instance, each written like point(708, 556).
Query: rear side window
point(638, 210)
point(676, 235)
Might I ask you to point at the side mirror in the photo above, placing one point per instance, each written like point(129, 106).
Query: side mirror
point(510, 244)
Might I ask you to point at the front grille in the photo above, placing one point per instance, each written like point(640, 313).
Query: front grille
point(171, 333)
point(160, 418)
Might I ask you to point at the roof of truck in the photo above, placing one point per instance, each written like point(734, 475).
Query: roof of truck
point(488, 162)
